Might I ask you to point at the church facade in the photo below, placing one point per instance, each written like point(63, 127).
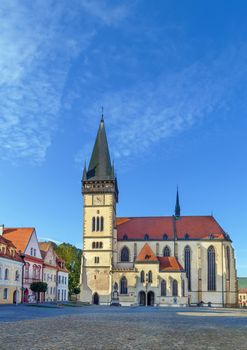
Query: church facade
point(163, 260)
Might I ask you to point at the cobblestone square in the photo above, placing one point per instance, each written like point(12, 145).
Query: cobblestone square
point(97, 327)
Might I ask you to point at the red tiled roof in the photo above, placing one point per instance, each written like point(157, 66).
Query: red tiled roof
point(170, 263)
point(19, 236)
point(197, 227)
point(8, 244)
point(146, 254)
point(242, 290)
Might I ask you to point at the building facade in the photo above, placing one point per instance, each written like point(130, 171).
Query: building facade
point(169, 260)
point(242, 297)
point(10, 272)
point(26, 242)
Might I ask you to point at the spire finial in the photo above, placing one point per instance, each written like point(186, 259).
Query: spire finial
point(102, 114)
point(177, 207)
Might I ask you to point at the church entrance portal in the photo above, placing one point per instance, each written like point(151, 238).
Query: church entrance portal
point(96, 299)
point(142, 298)
point(150, 298)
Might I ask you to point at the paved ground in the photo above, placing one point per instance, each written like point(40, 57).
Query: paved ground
point(97, 327)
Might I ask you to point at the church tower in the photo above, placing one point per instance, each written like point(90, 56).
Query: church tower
point(100, 191)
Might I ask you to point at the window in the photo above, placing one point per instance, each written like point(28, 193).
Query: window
point(63, 280)
point(166, 251)
point(96, 260)
point(58, 295)
point(146, 237)
point(174, 288)
point(123, 285)
point(101, 245)
point(59, 279)
point(17, 275)
point(163, 288)
point(165, 237)
point(101, 223)
point(34, 252)
point(150, 277)
point(125, 254)
point(228, 263)
point(142, 277)
point(34, 271)
point(125, 237)
point(5, 293)
point(187, 263)
point(186, 236)
point(31, 251)
point(6, 274)
point(211, 269)
point(26, 270)
point(93, 223)
point(97, 227)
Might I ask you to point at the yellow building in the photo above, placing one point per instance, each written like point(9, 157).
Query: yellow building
point(10, 272)
point(168, 260)
point(242, 297)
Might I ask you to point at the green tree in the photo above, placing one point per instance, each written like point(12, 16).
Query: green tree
point(38, 287)
point(72, 257)
point(76, 291)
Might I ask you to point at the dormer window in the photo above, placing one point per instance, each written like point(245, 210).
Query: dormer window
point(211, 236)
point(146, 237)
point(125, 237)
point(186, 236)
point(165, 237)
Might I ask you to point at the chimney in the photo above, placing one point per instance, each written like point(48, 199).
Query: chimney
point(1, 229)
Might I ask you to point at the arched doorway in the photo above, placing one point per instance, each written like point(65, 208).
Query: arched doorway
point(150, 298)
point(26, 295)
point(142, 298)
point(96, 299)
point(14, 297)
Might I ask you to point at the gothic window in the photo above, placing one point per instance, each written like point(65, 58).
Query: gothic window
point(123, 285)
point(101, 244)
point(174, 288)
point(150, 277)
point(211, 269)
point(125, 237)
point(6, 274)
point(165, 237)
point(93, 245)
point(125, 254)
point(146, 237)
point(187, 263)
point(142, 277)
point(163, 288)
point(97, 245)
point(93, 223)
point(97, 227)
point(5, 293)
point(228, 263)
point(166, 251)
point(101, 223)
point(96, 260)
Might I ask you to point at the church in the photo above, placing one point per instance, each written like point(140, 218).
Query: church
point(157, 260)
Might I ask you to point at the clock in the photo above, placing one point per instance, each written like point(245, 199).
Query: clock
point(98, 199)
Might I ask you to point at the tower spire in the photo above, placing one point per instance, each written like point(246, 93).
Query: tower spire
point(177, 207)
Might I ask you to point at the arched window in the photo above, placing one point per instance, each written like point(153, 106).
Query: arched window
point(142, 277)
point(38, 273)
point(187, 265)
point(93, 245)
point(165, 237)
point(211, 269)
point(228, 263)
point(101, 223)
point(26, 270)
point(150, 277)
point(93, 223)
point(5, 293)
point(123, 285)
point(174, 288)
point(146, 237)
point(97, 226)
point(17, 275)
point(34, 271)
point(97, 245)
point(31, 252)
point(166, 251)
point(6, 274)
point(125, 254)
point(101, 244)
point(163, 288)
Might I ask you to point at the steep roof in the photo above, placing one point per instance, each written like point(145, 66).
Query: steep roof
point(19, 236)
point(10, 247)
point(146, 254)
point(191, 227)
point(100, 163)
point(170, 263)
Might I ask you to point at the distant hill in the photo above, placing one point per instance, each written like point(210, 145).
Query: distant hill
point(242, 282)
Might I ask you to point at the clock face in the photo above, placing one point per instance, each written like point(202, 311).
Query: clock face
point(98, 199)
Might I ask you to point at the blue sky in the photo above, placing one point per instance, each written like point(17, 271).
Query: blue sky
point(171, 76)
